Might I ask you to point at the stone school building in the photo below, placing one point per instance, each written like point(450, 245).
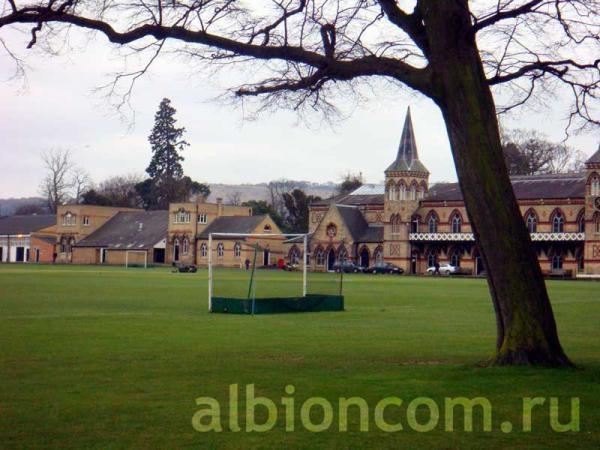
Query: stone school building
point(407, 222)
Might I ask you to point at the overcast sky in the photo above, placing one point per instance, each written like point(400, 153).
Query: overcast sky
point(58, 108)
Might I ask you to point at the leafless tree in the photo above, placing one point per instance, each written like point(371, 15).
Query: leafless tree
point(235, 198)
point(276, 190)
point(452, 51)
point(56, 184)
point(81, 182)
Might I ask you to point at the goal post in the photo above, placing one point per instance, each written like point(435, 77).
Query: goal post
point(128, 252)
point(284, 236)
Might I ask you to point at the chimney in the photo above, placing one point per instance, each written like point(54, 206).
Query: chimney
point(219, 206)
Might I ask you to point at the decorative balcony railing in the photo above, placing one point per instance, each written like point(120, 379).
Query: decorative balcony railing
point(468, 237)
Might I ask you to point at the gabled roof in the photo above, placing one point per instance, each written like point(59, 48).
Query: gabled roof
point(232, 224)
point(353, 220)
point(129, 230)
point(571, 185)
point(14, 225)
point(407, 158)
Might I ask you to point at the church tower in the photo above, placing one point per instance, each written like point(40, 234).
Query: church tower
point(406, 182)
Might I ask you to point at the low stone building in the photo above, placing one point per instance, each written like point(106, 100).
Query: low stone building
point(233, 251)
point(132, 237)
point(18, 241)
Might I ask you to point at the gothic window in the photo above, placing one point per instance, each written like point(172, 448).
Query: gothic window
point(414, 225)
point(455, 258)
point(203, 250)
point(220, 250)
point(413, 191)
point(294, 255)
point(378, 256)
point(431, 259)
point(342, 255)
point(237, 250)
point(595, 185)
point(456, 223)
point(581, 222)
point(557, 262)
point(402, 191)
point(558, 223)
point(422, 191)
point(320, 257)
point(392, 192)
point(432, 223)
point(185, 246)
point(531, 221)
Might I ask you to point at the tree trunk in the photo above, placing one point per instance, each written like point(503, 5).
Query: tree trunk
point(526, 328)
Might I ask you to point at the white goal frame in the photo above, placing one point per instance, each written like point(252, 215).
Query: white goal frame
point(145, 252)
point(243, 235)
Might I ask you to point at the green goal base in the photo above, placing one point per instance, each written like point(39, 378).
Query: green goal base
point(276, 305)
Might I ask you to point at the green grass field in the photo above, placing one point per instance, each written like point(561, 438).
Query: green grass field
point(112, 358)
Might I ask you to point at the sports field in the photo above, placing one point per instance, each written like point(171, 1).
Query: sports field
point(113, 358)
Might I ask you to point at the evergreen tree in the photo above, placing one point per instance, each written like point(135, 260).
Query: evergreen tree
point(165, 169)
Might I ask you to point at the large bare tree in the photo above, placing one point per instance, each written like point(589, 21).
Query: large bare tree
point(56, 185)
point(452, 51)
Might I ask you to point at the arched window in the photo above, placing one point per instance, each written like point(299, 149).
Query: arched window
point(395, 219)
point(414, 224)
point(203, 250)
point(558, 222)
point(455, 258)
point(432, 223)
point(402, 191)
point(342, 254)
point(320, 257)
point(456, 222)
point(557, 261)
point(581, 221)
point(181, 216)
point(220, 250)
point(531, 221)
point(69, 219)
point(267, 228)
point(413, 191)
point(392, 192)
point(378, 256)
point(431, 258)
point(185, 246)
point(294, 255)
point(595, 185)
point(64, 245)
point(422, 190)
point(237, 250)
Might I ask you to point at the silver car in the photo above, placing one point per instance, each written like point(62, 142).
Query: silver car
point(445, 269)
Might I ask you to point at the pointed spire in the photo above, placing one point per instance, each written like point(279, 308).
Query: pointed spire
point(408, 156)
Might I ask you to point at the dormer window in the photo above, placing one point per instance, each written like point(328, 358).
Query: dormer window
point(181, 216)
point(202, 218)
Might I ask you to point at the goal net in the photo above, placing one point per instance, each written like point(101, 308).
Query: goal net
point(265, 272)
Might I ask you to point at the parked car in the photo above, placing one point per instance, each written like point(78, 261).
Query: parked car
point(291, 267)
point(445, 269)
point(183, 268)
point(347, 267)
point(386, 268)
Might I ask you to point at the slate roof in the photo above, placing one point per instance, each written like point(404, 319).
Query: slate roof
point(130, 230)
point(232, 224)
point(407, 158)
point(552, 186)
point(595, 158)
point(373, 233)
point(25, 224)
point(350, 199)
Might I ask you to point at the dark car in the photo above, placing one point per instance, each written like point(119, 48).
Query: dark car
point(183, 268)
point(347, 267)
point(386, 268)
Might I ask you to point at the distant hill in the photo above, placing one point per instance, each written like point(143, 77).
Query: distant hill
point(261, 192)
point(8, 206)
point(225, 191)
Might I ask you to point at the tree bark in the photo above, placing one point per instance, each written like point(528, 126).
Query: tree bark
point(526, 327)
